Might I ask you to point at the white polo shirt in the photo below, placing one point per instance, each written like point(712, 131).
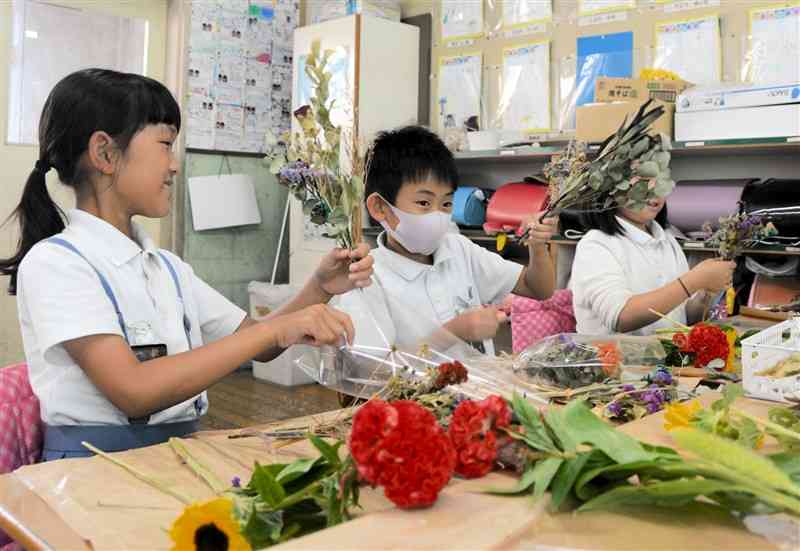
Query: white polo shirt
point(60, 298)
point(410, 300)
point(608, 270)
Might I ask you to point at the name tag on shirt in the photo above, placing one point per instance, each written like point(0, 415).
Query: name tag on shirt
point(145, 352)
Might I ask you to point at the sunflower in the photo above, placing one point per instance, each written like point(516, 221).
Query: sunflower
point(208, 526)
point(679, 415)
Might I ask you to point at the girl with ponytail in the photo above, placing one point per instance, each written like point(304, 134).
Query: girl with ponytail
point(122, 338)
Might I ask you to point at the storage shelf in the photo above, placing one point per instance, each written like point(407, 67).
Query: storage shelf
point(777, 146)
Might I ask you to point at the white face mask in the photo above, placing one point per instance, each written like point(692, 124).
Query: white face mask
point(418, 233)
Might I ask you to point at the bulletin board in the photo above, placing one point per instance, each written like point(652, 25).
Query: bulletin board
point(565, 26)
point(239, 67)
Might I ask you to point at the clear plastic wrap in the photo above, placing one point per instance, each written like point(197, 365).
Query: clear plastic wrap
point(394, 340)
point(570, 360)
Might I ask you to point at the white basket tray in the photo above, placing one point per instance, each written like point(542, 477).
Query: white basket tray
point(763, 351)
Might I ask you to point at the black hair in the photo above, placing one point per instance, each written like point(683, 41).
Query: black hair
point(606, 221)
point(82, 103)
point(407, 155)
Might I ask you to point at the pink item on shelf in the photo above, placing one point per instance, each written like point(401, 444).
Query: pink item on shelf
point(532, 320)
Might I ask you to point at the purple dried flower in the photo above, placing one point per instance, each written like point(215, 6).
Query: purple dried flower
point(236, 482)
point(653, 407)
point(628, 388)
point(662, 378)
point(614, 408)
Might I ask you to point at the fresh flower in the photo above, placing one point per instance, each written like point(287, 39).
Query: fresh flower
point(473, 433)
point(708, 342)
point(208, 525)
point(681, 340)
point(400, 446)
point(680, 415)
point(609, 356)
point(451, 373)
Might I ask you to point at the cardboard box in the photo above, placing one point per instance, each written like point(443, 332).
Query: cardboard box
point(608, 89)
point(596, 121)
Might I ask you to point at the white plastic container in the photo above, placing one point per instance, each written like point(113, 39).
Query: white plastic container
point(265, 298)
point(764, 351)
point(483, 140)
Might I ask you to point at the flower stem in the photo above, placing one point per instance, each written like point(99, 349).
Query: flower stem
point(768, 424)
point(138, 474)
point(196, 466)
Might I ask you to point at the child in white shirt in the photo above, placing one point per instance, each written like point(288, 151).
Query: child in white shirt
point(629, 265)
point(425, 275)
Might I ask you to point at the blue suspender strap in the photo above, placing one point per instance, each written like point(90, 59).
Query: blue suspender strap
point(103, 281)
point(187, 325)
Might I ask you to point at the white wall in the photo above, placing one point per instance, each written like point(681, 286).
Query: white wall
point(17, 161)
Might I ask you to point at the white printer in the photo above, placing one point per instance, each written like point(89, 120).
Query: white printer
point(738, 112)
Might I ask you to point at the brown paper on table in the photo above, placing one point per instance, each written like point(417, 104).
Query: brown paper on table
point(134, 516)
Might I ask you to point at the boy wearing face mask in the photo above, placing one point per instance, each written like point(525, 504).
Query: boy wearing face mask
point(426, 275)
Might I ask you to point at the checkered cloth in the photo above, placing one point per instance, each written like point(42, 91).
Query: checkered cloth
point(21, 427)
point(532, 320)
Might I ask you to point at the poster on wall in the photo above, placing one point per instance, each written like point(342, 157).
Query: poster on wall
point(690, 48)
point(525, 88)
point(774, 56)
point(240, 53)
point(459, 91)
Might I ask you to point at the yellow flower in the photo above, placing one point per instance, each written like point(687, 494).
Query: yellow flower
point(730, 300)
point(211, 524)
point(502, 239)
point(730, 365)
point(657, 74)
point(679, 415)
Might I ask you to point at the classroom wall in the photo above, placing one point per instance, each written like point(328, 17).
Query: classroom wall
point(229, 258)
point(17, 160)
point(564, 30)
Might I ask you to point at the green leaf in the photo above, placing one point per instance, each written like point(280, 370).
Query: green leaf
point(789, 463)
point(731, 393)
point(586, 428)
point(544, 472)
point(295, 470)
point(535, 432)
point(330, 453)
point(670, 493)
point(554, 417)
point(565, 478)
point(263, 529)
point(718, 450)
point(527, 480)
point(268, 488)
point(647, 169)
point(749, 433)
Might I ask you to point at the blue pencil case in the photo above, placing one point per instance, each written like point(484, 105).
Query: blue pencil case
point(469, 206)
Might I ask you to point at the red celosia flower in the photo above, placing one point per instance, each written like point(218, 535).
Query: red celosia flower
point(451, 373)
point(681, 340)
point(400, 446)
point(708, 342)
point(473, 435)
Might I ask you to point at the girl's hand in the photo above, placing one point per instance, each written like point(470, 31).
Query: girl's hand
point(316, 325)
point(712, 275)
point(342, 270)
point(478, 324)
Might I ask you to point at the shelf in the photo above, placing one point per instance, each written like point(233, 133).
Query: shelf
point(774, 146)
point(698, 246)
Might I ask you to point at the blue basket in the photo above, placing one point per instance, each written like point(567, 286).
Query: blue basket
point(469, 206)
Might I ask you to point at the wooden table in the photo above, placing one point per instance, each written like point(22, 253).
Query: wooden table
point(93, 504)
